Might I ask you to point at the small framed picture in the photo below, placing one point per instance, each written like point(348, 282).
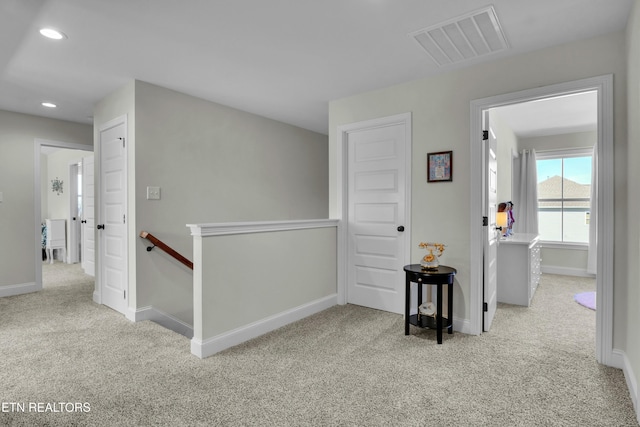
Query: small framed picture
point(440, 166)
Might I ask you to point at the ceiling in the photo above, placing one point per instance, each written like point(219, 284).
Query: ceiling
point(576, 112)
point(282, 59)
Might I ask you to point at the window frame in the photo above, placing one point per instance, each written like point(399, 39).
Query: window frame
point(564, 153)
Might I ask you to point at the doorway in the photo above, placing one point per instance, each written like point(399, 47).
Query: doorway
point(603, 85)
point(49, 203)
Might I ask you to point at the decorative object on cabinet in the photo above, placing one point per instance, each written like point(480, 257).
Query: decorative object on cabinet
point(440, 166)
point(431, 260)
point(501, 222)
point(56, 186)
point(518, 268)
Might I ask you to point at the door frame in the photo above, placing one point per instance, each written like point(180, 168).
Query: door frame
point(605, 353)
point(37, 190)
point(342, 186)
point(97, 170)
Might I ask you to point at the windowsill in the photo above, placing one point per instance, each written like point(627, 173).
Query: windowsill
point(560, 245)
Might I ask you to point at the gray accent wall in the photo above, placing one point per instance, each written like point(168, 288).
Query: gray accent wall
point(213, 164)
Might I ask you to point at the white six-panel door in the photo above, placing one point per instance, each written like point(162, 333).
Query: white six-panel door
point(376, 215)
point(112, 229)
point(491, 236)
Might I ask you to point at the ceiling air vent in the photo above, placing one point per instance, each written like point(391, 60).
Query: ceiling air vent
point(466, 37)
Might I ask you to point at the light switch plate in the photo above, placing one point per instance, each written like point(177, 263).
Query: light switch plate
point(153, 193)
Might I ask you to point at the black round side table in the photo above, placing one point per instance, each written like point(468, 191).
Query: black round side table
point(443, 275)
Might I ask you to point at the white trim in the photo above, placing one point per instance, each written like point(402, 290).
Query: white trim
point(566, 271)
point(222, 229)
point(342, 183)
point(564, 153)
point(24, 288)
point(629, 376)
point(604, 287)
point(160, 317)
point(546, 244)
point(244, 333)
point(38, 143)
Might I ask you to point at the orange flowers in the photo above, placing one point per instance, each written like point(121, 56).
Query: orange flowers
point(439, 247)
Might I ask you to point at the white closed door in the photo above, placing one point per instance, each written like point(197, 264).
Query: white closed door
point(111, 229)
point(378, 221)
point(491, 235)
point(88, 223)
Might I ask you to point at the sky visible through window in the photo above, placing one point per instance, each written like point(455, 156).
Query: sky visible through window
point(577, 169)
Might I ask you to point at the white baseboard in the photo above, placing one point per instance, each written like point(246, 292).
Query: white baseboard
point(630, 378)
point(566, 271)
point(463, 326)
point(24, 288)
point(160, 317)
point(244, 333)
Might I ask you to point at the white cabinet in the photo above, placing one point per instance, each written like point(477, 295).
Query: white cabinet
point(518, 268)
point(56, 237)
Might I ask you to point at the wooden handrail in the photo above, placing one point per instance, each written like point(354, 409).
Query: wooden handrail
point(159, 243)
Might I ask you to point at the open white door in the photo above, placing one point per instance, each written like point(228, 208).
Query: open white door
point(112, 229)
point(491, 236)
point(88, 217)
point(378, 176)
point(75, 195)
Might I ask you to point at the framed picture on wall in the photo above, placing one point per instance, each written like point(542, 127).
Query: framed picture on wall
point(440, 166)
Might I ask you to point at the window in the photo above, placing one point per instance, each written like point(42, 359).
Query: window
point(564, 195)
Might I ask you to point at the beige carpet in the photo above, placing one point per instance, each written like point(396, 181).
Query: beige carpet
point(345, 366)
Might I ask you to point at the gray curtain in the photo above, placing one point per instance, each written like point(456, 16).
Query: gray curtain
point(526, 202)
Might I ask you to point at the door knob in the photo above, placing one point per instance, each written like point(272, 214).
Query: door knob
point(100, 226)
point(401, 228)
point(84, 221)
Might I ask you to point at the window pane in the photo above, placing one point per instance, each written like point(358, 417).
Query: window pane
point(575, 227)
point(549, 179)
point(550, 187)
point(578, 169)
point(550, 224)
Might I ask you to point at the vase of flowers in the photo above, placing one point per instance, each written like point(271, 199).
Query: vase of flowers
point(431, 260)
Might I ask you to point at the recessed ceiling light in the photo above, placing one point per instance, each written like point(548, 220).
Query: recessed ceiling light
point(52, 34)
point(49, 105)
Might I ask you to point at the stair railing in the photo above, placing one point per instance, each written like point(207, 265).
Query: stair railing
point(160, 244)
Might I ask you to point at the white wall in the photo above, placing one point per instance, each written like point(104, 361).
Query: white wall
point(507, 144)
point(58, 167)
point(554, 142)
point(632, 293)
point(440, 107)
point(17, 135)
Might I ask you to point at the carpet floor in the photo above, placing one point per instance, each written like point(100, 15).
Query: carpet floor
point(345, 366)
